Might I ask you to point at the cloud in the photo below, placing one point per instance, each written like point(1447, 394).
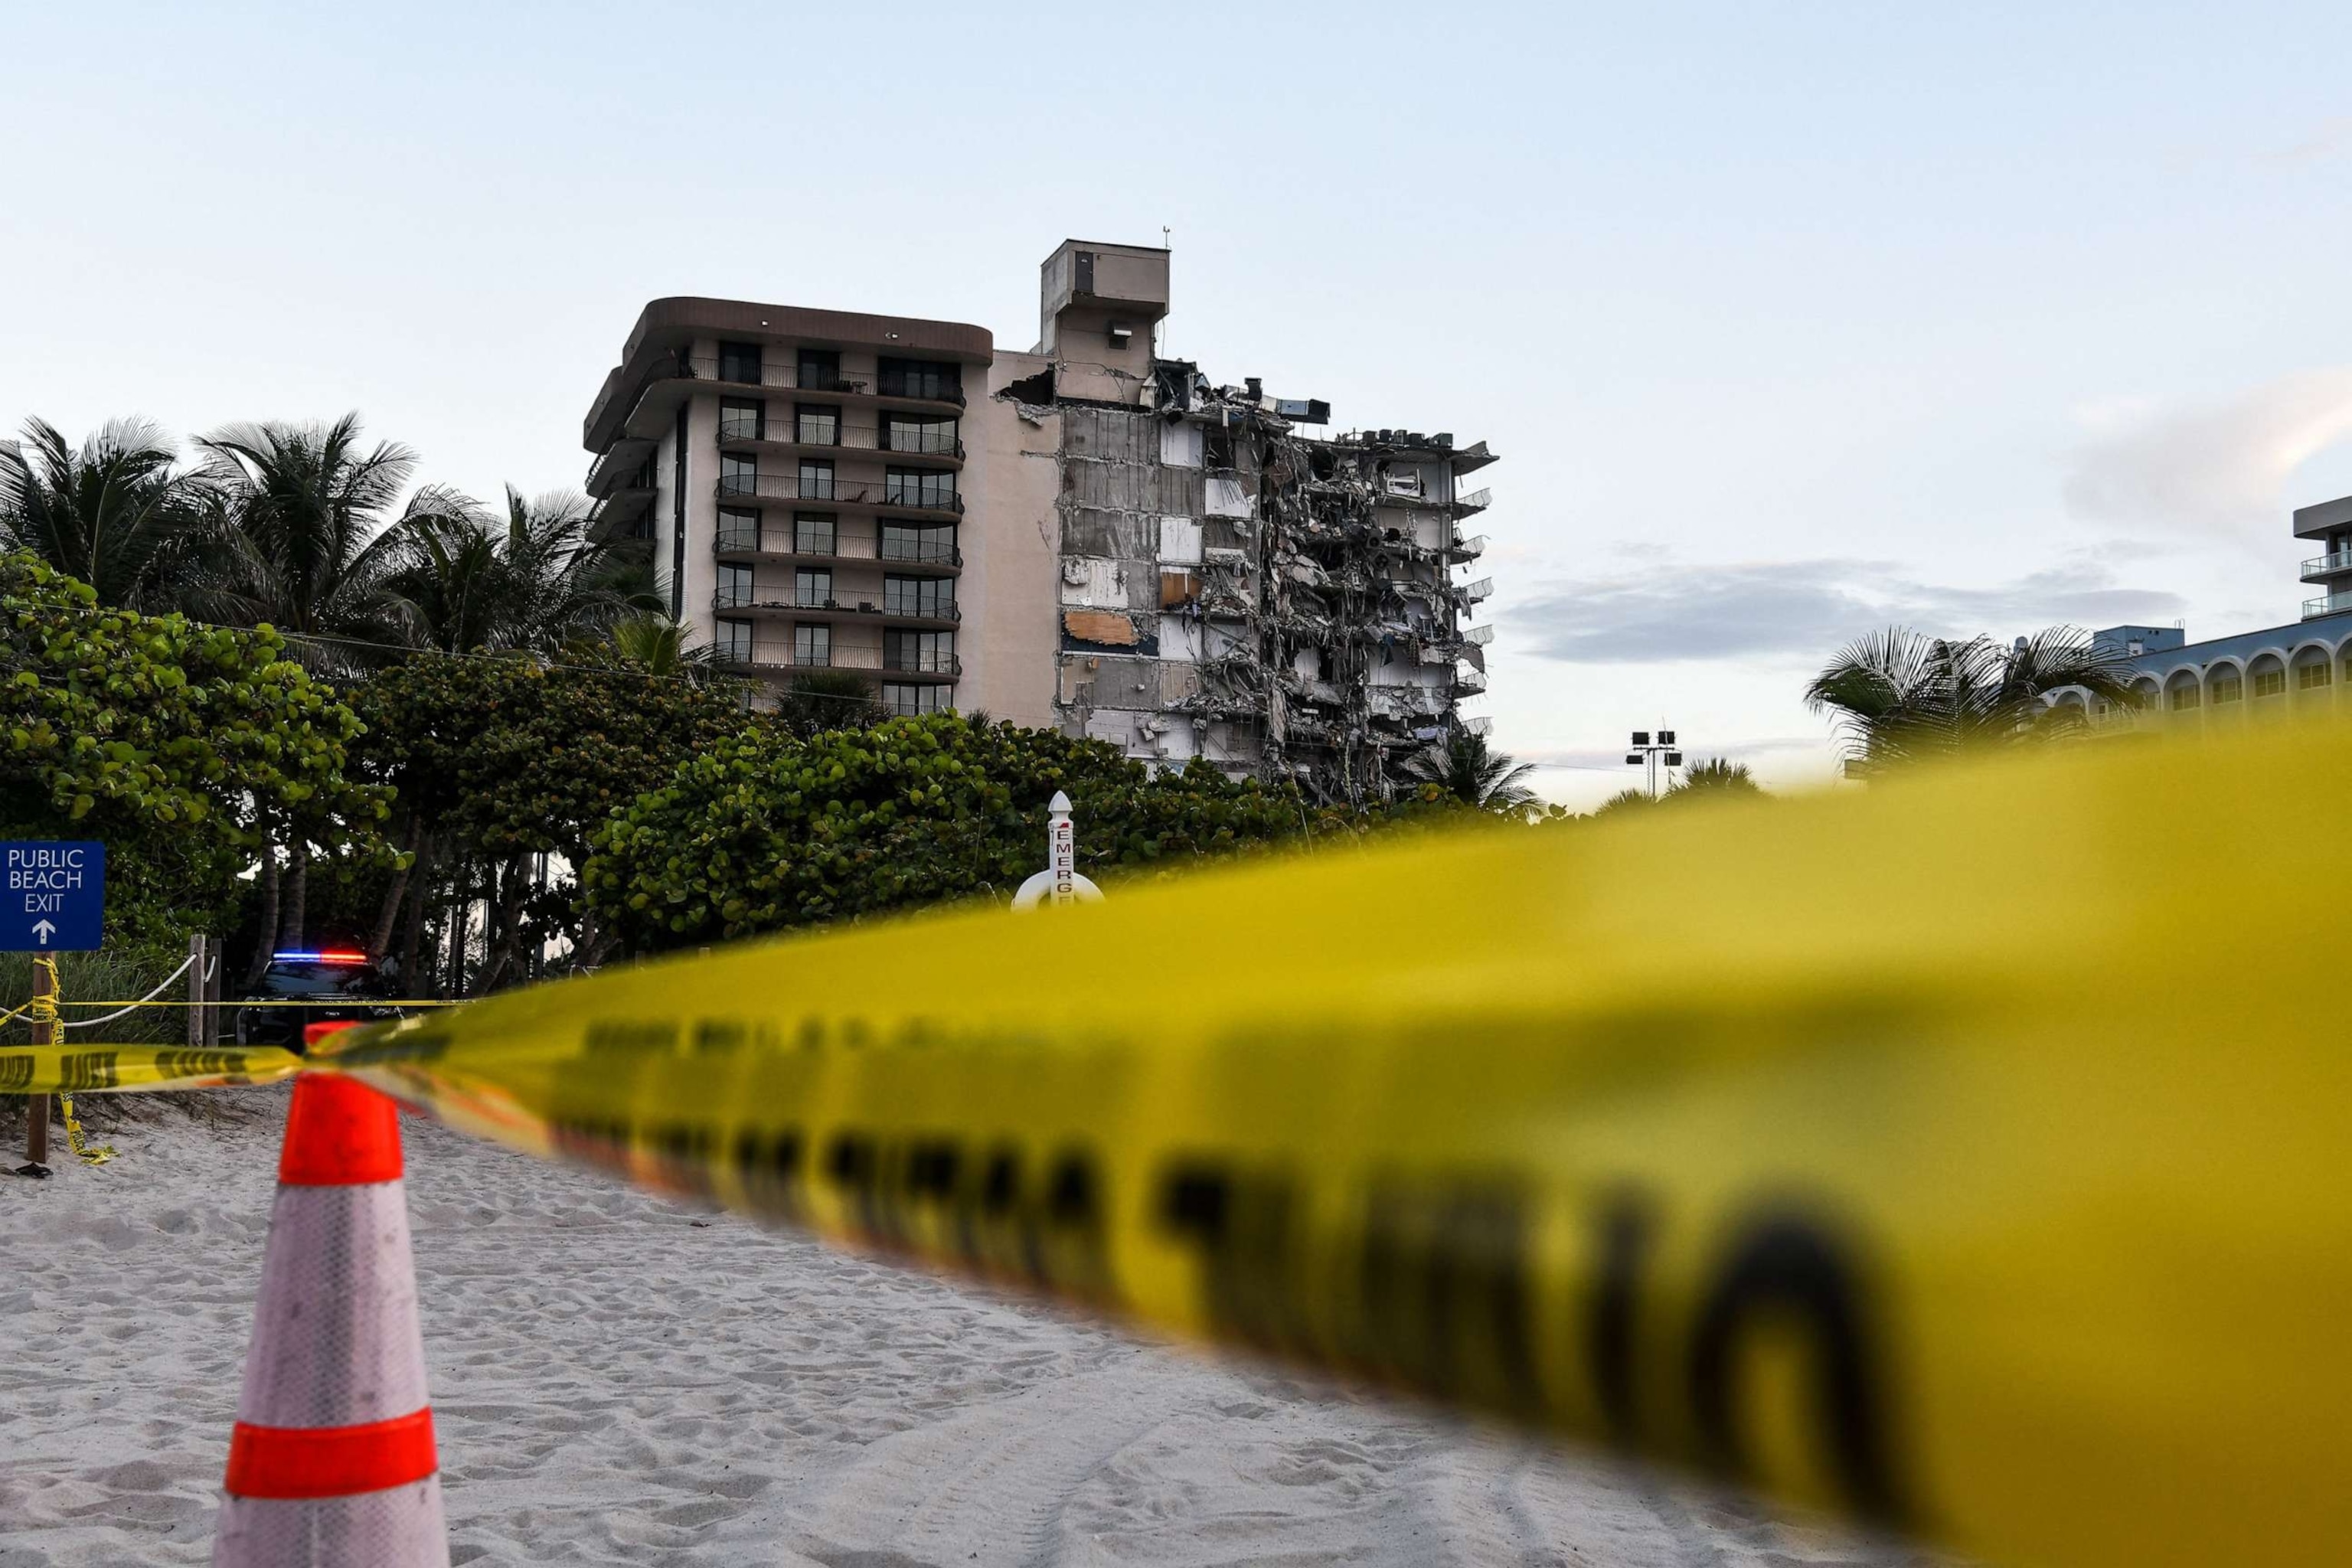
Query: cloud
point(1807, 608)
point(2216, 470)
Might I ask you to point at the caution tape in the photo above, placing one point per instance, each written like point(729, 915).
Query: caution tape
point(82, 1150)
point(84, 1070)
point(1966, 1154)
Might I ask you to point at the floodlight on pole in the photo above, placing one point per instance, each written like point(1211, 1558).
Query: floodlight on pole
point(1652, 754)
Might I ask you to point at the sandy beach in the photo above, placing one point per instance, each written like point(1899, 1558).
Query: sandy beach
point(619, 1379)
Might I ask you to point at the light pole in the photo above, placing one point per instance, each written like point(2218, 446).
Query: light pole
point(1647, 753)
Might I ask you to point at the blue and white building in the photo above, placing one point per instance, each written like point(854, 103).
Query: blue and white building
point(2303, 668)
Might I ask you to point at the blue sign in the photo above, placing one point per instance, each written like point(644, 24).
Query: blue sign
point(52, 896)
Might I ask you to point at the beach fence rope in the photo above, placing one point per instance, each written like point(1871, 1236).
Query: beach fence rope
point(1886, 1151)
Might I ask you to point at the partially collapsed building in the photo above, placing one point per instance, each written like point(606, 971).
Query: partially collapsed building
point(1095, 538)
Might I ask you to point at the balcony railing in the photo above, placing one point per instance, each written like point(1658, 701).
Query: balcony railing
point(922, 663)
point(1470, 549)
point(834, 490)
point(766, 654)
point(1478, 636)
point(725, 599)
point(2327, 604)
point(748, 541)
point(1476, 501)
point(842, 437)
point(1474, 592)
point(785, 377)
point(2334, 565)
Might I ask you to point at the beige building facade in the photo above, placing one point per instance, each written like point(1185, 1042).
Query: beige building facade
point(1081, 535)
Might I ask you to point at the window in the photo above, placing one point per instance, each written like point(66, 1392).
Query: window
point(2226, 688)
point(816, 478)
point(812, 644)
point(935, 378)
point(2183, 698)
point(815, 533)
point(742, 419)
point(2270, 683)
point(932, 653)
point(733, 643)
point(740, 361)
point(817, 425)
point(734, 587)
point(812, 588)
point(2307, 676)
point(738, 474)
point(904, 699)
point(931, 596)
point(906, 542)
point(901, 433)
point(739, 530)
point(919, 486)
point(820, 371)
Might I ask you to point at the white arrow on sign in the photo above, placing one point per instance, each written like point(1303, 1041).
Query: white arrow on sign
point(45, 931)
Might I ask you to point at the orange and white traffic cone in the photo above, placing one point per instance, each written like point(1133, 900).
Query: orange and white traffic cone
point(332, 1460)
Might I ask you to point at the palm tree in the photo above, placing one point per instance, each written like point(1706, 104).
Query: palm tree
point(304, 536)
point(1901, 697)
point(828, 699)
point(652, 642)
point(1715, 777)
point(112, 513)
point(301, 533)
point(535, 581)
point(1465, 769)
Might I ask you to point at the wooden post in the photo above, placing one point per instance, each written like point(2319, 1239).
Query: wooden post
point(216, 959)
point(196, 992)
point(47, 1031)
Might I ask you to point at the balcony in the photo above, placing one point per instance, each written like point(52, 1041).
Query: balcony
point(2320, 568)
point(1478, 637)
point(767, 655)
point(1476, 501)
point(831, 490)
point(2327, 604)
point(936, 561)
point(785, 377)
point(1473, 591)
point(1470, 683)
point(1470, 549)
point(942, 615)
point(744, 429)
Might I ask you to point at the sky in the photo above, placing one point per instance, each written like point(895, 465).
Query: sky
point(1787, 321)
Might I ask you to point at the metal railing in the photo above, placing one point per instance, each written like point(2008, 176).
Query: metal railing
point(1476, 501)
point(786, 377)
point(844, 438)
point(921, 663)
point(834, 490)
point(1473, 591)
point(2327, 565)
point(1470, 549)
point(728, 599)
point(2327, 604)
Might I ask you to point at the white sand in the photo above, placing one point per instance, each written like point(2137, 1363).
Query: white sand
point(619, 1379)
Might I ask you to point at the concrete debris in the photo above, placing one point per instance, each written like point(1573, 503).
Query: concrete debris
point(1295, 592)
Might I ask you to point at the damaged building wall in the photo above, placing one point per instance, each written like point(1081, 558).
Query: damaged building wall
point(1293, 595)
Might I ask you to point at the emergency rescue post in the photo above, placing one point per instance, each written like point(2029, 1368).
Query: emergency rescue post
point(1060, 878)
point(52, 899)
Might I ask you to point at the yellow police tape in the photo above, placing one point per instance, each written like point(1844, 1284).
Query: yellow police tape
point(77, 1069)
point(1967, 1154)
